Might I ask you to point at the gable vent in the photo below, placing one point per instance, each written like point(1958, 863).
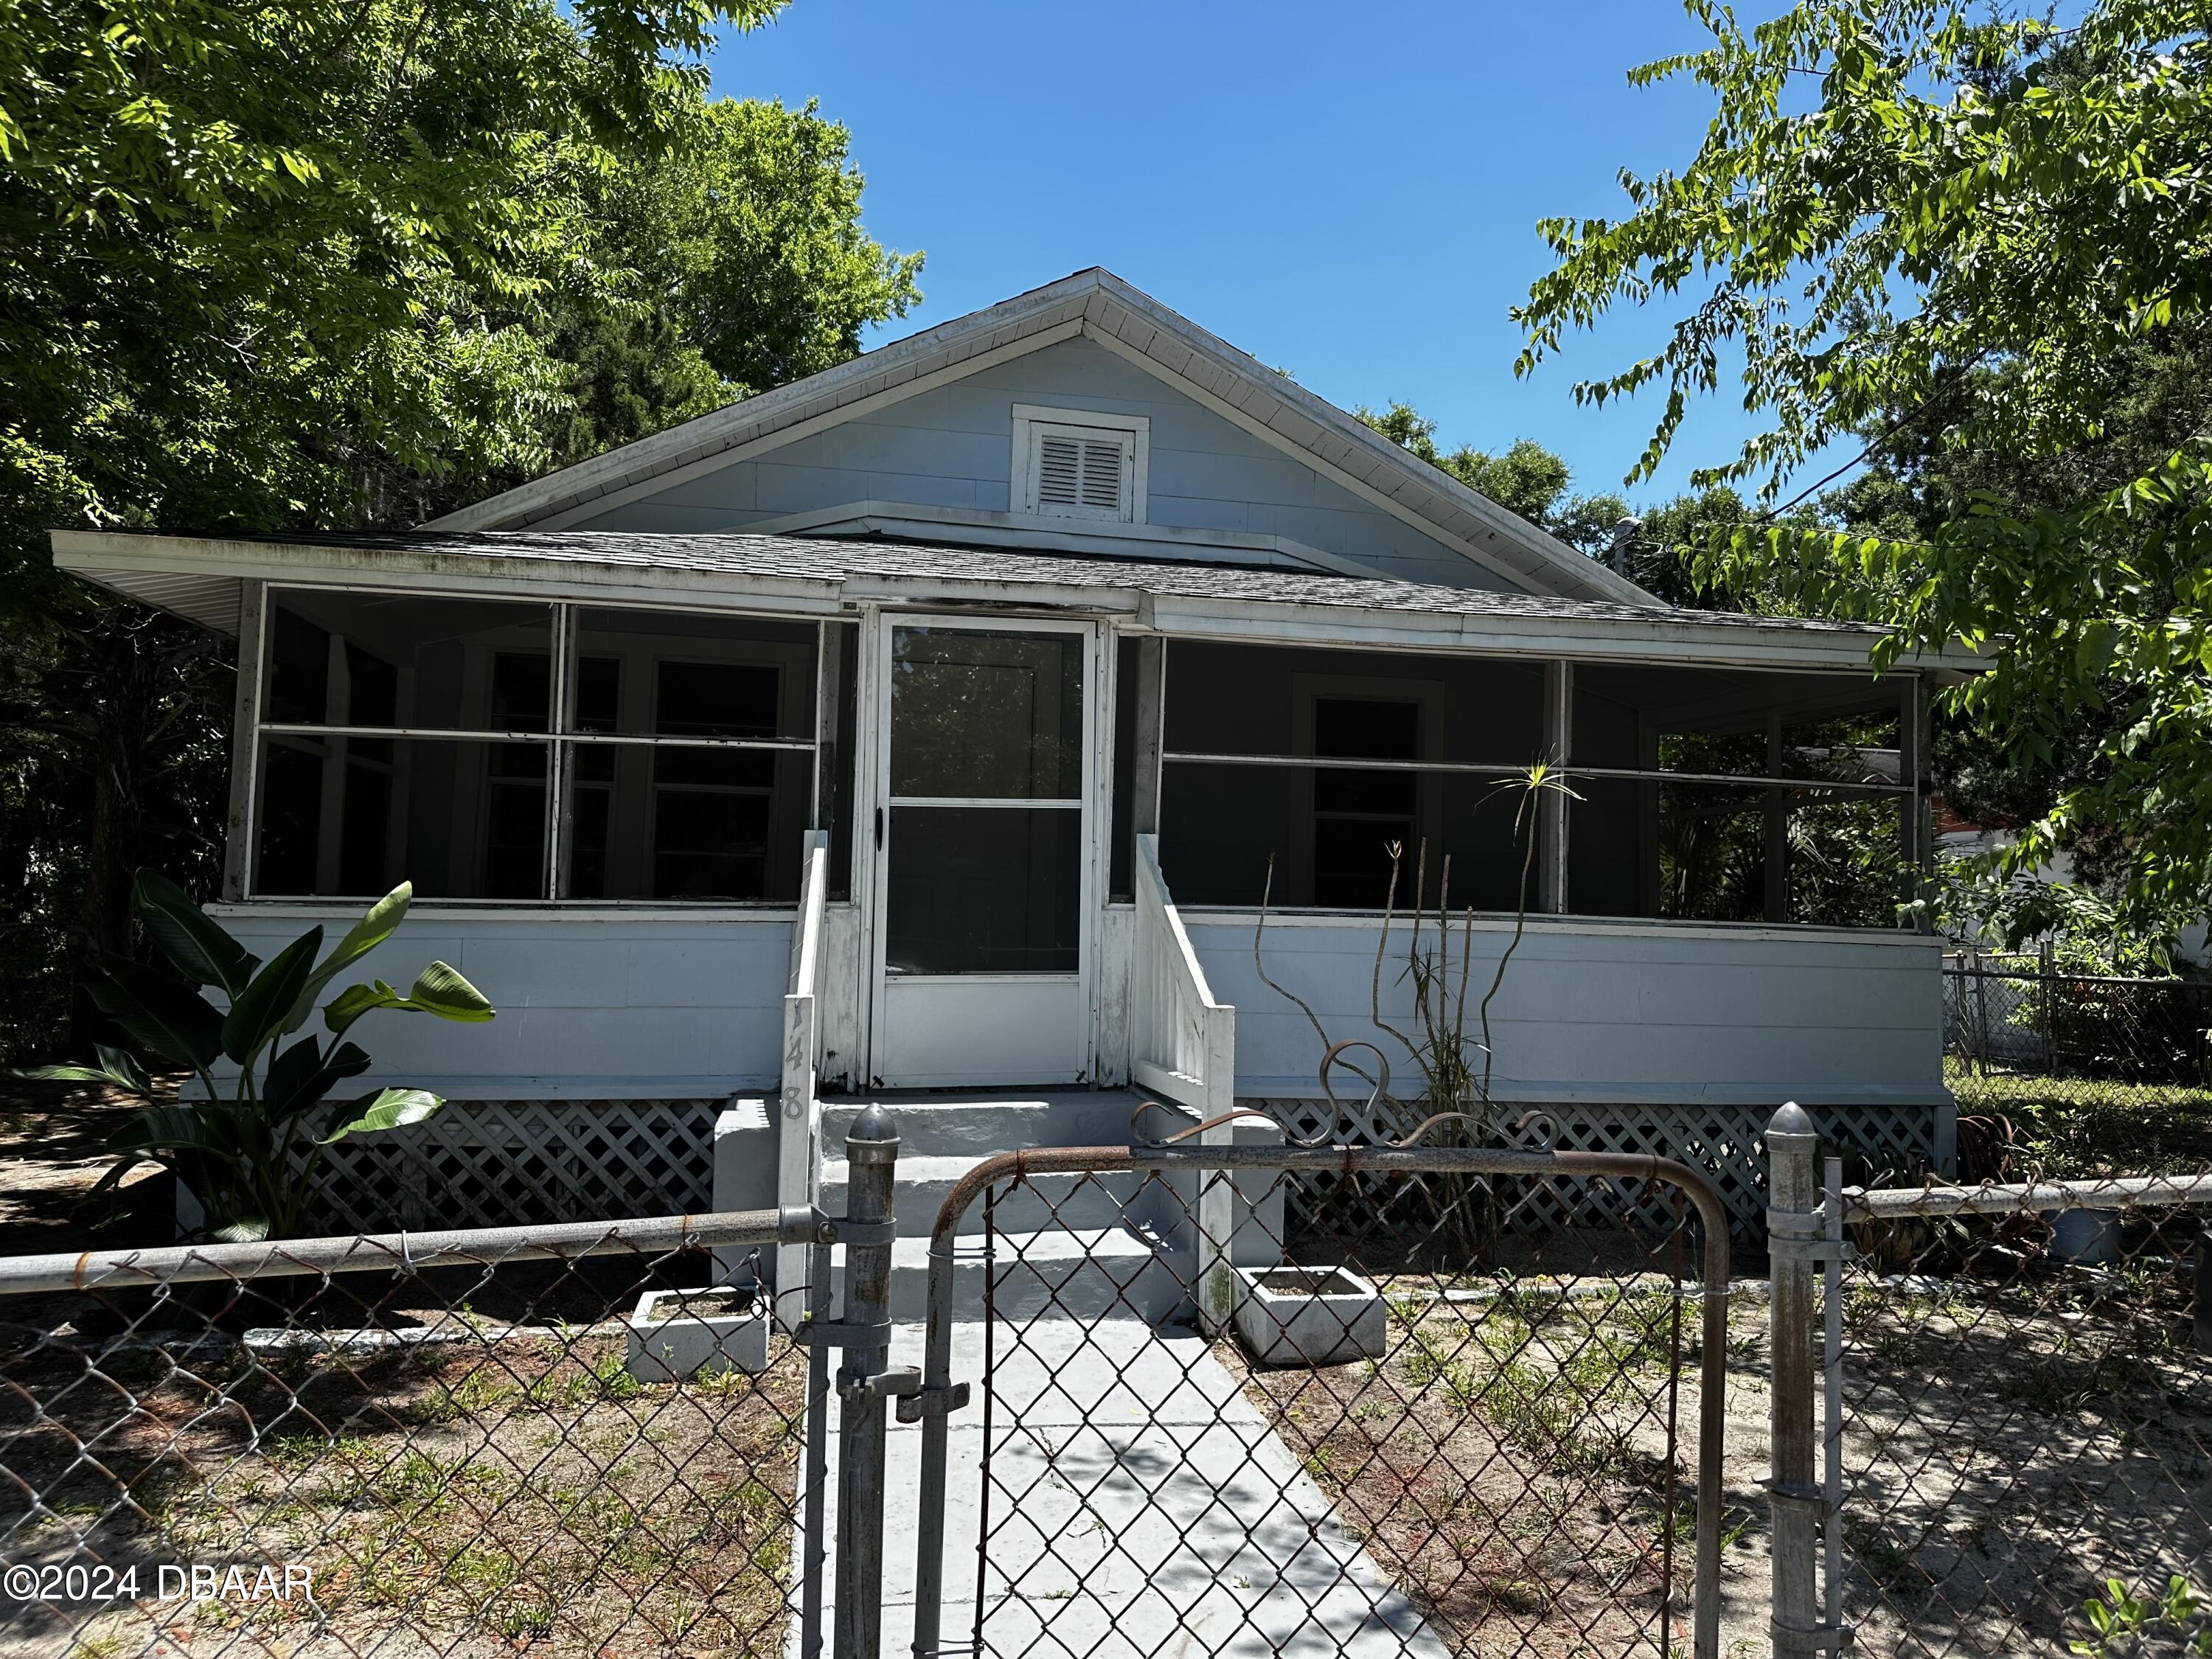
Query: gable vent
point(1070, 464)
point(1077, 473)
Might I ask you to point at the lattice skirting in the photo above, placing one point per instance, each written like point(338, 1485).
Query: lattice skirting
point(517, 1163)
point(1877, 1143)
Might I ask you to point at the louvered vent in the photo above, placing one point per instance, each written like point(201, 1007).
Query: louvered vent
point(1079, 472)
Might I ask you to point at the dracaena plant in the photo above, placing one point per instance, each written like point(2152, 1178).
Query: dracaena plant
point(246, 1148)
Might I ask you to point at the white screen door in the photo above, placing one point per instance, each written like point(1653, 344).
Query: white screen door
point(983, 865)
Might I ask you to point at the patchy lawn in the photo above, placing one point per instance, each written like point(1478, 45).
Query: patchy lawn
point(1505, 1461)
point(513, 1491)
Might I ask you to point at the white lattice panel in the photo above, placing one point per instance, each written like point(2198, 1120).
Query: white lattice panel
point(1876, 1142)
point(514, 1162)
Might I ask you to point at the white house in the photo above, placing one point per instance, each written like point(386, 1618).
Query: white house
point(1053, 628)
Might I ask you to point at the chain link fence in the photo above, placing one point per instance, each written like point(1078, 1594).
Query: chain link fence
point(2073, 1074)
point(2017, 1408)
point(554, 1440)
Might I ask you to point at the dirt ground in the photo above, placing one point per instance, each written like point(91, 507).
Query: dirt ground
point(52, 1141)
point(503, 1492)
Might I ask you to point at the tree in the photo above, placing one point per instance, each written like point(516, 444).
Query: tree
point(1526, 479)
point(1968, 237)
point(335, 264)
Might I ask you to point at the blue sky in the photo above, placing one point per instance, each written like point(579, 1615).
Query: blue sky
point(1350, 193)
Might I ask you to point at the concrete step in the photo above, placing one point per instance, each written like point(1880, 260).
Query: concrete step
point(984, 1123)
point(1098, 1273)
point(1041, 1203)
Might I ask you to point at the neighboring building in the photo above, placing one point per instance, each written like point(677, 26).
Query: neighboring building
point(981, 613)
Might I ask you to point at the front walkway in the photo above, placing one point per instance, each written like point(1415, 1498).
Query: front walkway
point(1137, 1504)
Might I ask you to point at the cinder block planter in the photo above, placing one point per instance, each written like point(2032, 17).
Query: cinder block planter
point(1308, 1315)
point(676, 1335)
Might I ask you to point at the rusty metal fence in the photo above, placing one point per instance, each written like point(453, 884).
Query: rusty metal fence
point(1488, 1420)
point(1137, 1401)
point(445, 1443)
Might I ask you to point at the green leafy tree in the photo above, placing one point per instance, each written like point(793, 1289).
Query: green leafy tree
point(248, 1153)
point(329, 265)
point(1525, 479)
point(1922, 224)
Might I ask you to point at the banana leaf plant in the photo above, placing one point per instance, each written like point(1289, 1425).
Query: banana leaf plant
point(248, 1147)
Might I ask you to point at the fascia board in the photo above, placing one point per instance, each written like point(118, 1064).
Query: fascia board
point(653, 461)
point(110, 553)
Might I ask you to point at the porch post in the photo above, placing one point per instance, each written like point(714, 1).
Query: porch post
point(245, 758)
point(1778, 828)
point(1552, 805)
point(1151, 708)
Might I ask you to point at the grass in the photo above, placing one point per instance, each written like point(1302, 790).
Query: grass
point(2077, 1126)
point(526, 1493)
point(1504, 1460)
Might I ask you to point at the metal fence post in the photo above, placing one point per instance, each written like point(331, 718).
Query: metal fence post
point(1795, 1499)
point(872, 1149)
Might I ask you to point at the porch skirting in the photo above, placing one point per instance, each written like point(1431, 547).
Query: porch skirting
point(519, 1163)
point(1885, 1141)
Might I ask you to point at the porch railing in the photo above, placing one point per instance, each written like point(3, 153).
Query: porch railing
point(799, 1134)
point(1182, 1043)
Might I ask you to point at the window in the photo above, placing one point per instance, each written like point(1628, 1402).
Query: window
point(499, 749)
point(1078, 464)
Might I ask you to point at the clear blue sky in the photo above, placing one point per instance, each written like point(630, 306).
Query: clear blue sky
point(1348, 193)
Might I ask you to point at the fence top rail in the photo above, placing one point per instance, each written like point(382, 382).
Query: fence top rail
point(2038, 976)
point(1431, 1160)
point(400, 1252)
point(2110, 1193)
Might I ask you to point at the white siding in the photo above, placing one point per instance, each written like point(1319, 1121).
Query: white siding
point(591, 1003)
point(953, 447)
point(1608, 1013)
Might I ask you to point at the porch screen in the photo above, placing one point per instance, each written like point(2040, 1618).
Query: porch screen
point(1695, 794)
point(1249, 795)
point(497, 750)
point(1720, 795)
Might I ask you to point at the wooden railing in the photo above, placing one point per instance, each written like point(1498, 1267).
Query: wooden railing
point(1182, 1043)
point(799, 1119)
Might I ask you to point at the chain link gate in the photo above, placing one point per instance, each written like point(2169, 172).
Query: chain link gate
point(1455, 1425)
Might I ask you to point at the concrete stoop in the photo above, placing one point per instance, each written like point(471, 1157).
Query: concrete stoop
point(1138, 1504)
point(1084, 1248)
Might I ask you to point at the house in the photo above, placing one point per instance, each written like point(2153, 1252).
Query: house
point(939, 722)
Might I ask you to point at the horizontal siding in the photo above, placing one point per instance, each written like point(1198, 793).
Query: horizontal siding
point(1640, 1014)
point(591, 1001)
point(952, 447)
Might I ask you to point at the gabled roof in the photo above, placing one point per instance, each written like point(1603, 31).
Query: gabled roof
point(1099, 306)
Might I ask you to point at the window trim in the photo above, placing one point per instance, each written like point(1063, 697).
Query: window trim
point(1135, 430)
point(560, 744)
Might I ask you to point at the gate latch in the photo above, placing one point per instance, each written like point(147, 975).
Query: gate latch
point(903, 1383)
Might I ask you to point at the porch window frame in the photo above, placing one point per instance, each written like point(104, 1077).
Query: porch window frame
point(559, 741)
point(1551, 898)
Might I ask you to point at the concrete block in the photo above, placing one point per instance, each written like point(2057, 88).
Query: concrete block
point(676, 1335)
point(1309, 1316)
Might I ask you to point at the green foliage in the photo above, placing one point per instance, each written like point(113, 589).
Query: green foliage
point(2123, 1621)
point(335, 264)
point(247, 1156)
point(1930, 230)
point(1526, 479)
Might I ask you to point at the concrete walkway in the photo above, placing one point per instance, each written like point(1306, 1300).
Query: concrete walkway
point(1138, 1504)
